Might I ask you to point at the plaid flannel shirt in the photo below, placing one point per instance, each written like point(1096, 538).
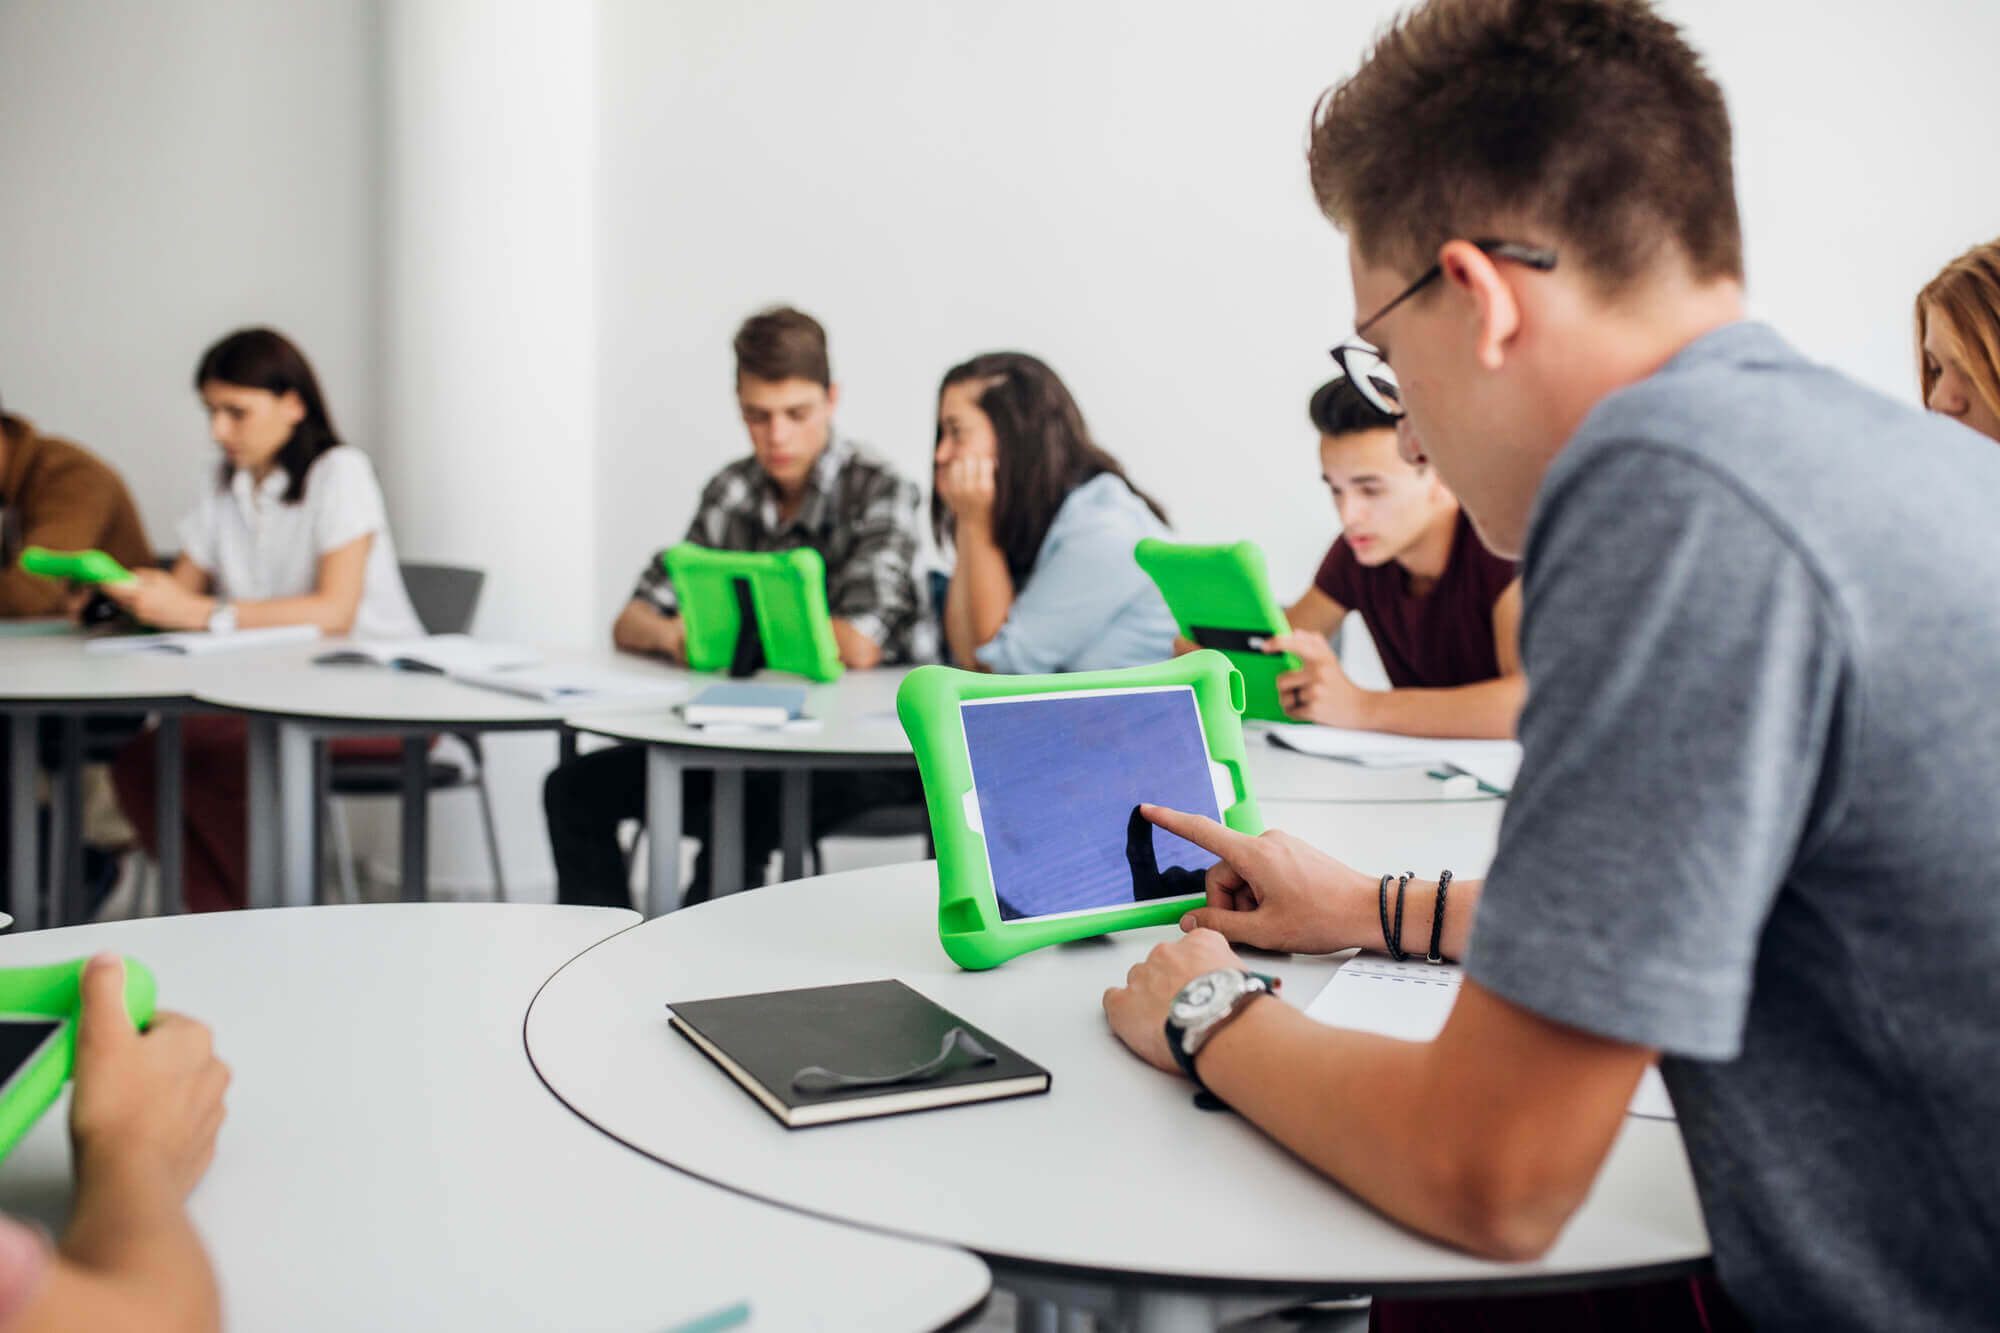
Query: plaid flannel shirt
point(857, 513)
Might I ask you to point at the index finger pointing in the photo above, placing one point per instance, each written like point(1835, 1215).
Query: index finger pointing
point(1200, 830)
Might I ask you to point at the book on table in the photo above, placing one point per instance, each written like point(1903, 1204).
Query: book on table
point(823, 1054)
point(737, 705)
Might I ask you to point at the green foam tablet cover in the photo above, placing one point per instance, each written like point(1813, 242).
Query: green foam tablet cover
point(55, 991)
point(1225, 588)
point(970, 926)
point(787, 593)
point(76, 566)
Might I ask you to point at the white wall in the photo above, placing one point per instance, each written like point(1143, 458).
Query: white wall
point(1119, 188)
point(172, 171)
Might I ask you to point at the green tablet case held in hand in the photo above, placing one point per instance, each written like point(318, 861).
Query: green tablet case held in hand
point(54, 991)
point(745, 610)
point(76, 566)
point(1221, 599)
point(1074, 762)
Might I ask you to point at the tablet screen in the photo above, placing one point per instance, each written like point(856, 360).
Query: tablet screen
point(1058, 779)
point(21, 1039)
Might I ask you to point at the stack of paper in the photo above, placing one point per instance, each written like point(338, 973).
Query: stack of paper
point(1411, 1001)
point(197, 643)
point(1494, 763)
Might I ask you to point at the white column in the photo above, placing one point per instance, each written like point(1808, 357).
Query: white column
point(488, 354)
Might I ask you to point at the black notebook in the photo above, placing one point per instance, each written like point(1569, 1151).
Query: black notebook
point(829, 1053)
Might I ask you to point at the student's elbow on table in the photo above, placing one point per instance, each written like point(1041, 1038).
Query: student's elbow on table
point(1504, 1210)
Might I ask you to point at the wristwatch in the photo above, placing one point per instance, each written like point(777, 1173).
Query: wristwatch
point(222, 620)
point(1204, 1005)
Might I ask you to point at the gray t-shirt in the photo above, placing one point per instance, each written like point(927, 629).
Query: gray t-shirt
point(1756, 825)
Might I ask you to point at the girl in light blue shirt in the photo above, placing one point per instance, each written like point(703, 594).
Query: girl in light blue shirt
point(1043, 522)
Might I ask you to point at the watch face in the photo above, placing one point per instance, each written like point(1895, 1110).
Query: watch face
point(1208, 995)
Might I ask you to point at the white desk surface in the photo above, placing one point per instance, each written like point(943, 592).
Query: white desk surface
point(857, 715)
point(391, 1161)
point(55, 669)
point(291, 685)
point(1112, 1171)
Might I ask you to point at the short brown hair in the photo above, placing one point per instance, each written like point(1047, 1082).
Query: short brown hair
point(1967, 295)
point(1592, 118)
point(783, 344)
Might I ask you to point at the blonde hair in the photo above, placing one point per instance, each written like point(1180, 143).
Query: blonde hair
point(1967, 295)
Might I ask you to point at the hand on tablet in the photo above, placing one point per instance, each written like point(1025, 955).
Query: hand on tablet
point(147, 1105)
point(156, 598)
point(1274, 891)
point(1319, 691)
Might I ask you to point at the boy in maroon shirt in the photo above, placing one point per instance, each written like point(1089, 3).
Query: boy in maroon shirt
point(1443, 610)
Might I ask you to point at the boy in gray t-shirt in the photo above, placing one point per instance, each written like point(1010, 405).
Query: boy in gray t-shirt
point(1753, 836)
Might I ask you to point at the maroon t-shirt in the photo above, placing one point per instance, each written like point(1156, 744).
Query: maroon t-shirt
point(1441, 639)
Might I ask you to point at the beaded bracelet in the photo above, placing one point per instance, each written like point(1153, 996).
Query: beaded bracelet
point(1437, 919)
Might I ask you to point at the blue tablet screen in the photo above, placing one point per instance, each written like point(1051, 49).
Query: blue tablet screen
point(1059, 779)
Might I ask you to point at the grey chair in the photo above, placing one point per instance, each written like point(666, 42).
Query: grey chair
point(445, 598)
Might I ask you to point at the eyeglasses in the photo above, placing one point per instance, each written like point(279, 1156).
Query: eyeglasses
point(1363, 365)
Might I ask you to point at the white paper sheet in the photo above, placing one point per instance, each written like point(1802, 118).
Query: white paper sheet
point(1411, 1001)
point(200, 643)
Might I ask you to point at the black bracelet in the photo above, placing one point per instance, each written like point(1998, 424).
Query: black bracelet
point(1396, 950)
point(1437, 919)
point(1382, 906)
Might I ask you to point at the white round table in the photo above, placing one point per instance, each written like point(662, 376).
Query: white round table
point(856, 728)
point(1112, 1183)
point(50, 675)
point(291, 701)
point(391, 1161)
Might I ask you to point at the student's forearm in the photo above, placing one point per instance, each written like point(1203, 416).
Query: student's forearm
point(1488, 1137)
point(857, 651)
point(984, 593)
point(1357, 1107)
point(333, 615)
point(129, 1260)
point(1486, 711)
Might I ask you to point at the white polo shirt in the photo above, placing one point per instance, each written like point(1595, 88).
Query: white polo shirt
point(256, 547)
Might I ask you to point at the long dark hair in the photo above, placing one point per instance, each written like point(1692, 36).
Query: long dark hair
point(266, 359)
point(1045, 452)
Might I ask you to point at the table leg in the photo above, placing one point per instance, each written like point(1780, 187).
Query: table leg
point(663, 830)
point(262, 777)
point(167, 806)
point(23, 828)
point(795, 809)
point(566, 746)
point(725, 835)
point(298, 848)
point(66, 826)
point(416, 818)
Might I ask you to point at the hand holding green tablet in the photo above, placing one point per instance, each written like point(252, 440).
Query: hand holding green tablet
point(93, 567)
point(39, 1011)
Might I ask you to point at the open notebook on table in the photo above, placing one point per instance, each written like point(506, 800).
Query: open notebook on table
point(440, 654)
point(1493, 763)
point(1411, 1001)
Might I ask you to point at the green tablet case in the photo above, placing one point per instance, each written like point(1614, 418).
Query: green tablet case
point(76, 566)
point(55, 991)
point(779, 594)
point(1221, 599)
point(969, 923)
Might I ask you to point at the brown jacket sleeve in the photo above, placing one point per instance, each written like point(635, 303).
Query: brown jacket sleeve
point(68, 501)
